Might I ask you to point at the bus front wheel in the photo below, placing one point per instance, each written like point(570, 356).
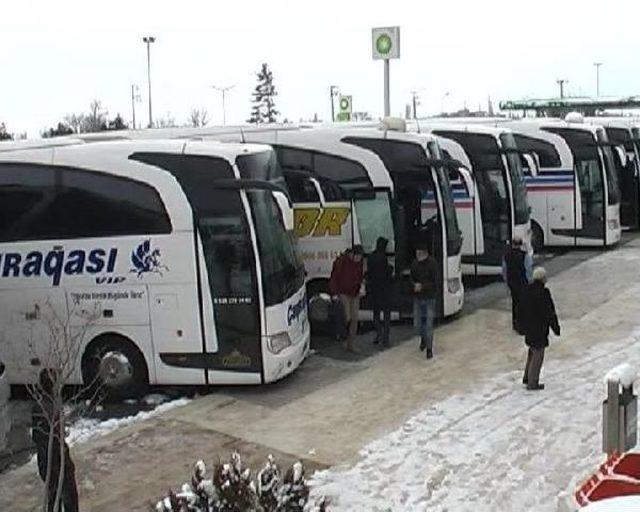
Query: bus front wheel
point(113, 365)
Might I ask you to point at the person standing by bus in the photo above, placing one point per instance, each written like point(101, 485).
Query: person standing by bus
point(424, 272)
point(517, 265)
point(379, 280)
point(538, 315)
point(345, 282)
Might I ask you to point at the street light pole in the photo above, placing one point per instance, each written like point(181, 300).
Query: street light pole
point(223, 90)
point(135, 97)
point(333, 91)
point(597, 65)
point(148, 40)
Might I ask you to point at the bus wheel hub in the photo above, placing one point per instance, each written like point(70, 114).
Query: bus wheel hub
point(115, 369)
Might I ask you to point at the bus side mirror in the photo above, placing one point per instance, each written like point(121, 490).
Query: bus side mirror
point(319, 192)
point(622, 156)
point(469, 184)
point(531, 163)
point(285, 209)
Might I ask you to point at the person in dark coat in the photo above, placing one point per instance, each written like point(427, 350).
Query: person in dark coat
point(379, 279)
point(424, 275)
point(538, 314)
point(516, 272)
point(45, 419)
point(345, 282)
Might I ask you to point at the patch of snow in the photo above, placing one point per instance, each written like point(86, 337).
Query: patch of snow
point(85, 428)
point(497, 447)
point(625, 503)
point(155, 399)
point(623, 373)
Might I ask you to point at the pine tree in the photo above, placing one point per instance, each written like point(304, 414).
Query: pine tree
point(263, 109)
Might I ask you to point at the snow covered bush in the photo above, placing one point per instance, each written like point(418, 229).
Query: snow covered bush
point(231, 489)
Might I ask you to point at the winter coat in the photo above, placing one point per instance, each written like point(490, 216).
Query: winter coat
point(346, 276)
point(425, 272)
point(516, 268)
point(379, 275)
point(538, 314)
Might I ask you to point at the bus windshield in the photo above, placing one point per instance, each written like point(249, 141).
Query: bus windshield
point(282, 269)
point(454, 235)
point(520, 202)
point(261, 166)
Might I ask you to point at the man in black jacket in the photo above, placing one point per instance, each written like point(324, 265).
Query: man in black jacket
point(538, 314)
point(380, 289)
point(516, 271)
point(424, 275)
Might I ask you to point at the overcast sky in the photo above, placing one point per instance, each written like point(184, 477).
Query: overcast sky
point(59, 55)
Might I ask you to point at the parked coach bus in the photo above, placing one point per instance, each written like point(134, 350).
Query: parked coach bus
point(626, 152)
point(189, 267)
point(500, 209)
point(575, 196)
point(350, 186)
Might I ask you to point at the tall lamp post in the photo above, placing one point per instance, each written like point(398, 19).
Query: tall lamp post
point(135, 98)
point(148, 40)
point(597, 65)
point(561, 84)
point(223, 90)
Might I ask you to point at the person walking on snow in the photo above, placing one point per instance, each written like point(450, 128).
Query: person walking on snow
point(379, 278)
point(345, 282)
point(538, 314)
point(424, 277)
point(517, 265)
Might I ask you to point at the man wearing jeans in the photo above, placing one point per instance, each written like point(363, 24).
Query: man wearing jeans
point(423, 276)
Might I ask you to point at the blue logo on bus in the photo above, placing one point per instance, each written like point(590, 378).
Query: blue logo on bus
point(58, 262)
point(294, 310)
point(147, 260)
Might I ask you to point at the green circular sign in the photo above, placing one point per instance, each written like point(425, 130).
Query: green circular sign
point(383, 44)
point(344, 103)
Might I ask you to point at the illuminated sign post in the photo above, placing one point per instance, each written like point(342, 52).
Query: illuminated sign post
point(345, 108)
point(385, 46)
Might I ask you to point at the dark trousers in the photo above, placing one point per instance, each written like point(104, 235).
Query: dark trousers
point(69, 498)
point(516, 294)
point(381, 305)
point(535, 357)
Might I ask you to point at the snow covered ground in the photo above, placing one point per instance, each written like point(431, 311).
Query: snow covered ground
point(496, 448)
point(86, 428)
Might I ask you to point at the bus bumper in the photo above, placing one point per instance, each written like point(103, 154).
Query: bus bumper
point(278, 366)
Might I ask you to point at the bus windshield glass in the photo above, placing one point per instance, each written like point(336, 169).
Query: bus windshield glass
point(488, 168)
point(613, 188)
point(261, 166)
point(282, 269)
point(520, 202)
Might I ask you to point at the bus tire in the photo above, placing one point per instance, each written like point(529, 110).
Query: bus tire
point(537, 237)
point(113, 366)
point(317, 309)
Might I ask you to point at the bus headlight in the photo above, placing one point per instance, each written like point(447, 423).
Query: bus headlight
point(453, 285)
point(278, 342)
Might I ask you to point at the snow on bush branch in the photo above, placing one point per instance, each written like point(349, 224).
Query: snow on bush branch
point(231, 489)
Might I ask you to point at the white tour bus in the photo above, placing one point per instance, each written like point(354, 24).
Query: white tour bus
point(573, 189)
point(626, 145)
point(500, 208)
point(350, 186)
point(181, 252)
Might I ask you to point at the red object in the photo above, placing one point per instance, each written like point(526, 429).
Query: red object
point(618, 476)
point(346, 276)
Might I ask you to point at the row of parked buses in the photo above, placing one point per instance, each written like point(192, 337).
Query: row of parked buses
point(190, 256)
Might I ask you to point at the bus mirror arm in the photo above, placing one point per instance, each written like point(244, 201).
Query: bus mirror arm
point(468, 181)
point(285, 208)
point(532, 163)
